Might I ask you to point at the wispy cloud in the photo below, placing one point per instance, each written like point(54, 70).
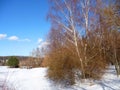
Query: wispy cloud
point(42, 44)
point(40, 40)
point(3, 36)
point(13, 38)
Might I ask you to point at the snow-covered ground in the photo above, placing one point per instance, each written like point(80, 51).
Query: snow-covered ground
point(35, 79)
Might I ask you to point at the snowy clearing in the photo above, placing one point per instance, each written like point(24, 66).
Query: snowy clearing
point(35, 79)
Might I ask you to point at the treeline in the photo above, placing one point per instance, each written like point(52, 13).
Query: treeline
point(35, 59)
point(84, 39)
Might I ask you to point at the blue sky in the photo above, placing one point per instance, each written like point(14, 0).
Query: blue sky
point(23, 26)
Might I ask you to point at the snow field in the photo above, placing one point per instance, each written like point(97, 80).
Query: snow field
point(36, 79)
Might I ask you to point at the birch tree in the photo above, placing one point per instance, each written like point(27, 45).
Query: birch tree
point(73, 17)
point(64, 13)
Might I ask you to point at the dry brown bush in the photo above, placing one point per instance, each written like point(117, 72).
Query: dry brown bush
point(64, 63)
point(93, 59)
point(61, 66)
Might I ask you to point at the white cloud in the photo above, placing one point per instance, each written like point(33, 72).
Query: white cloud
point(43, 44)
point(40, 40)
point(2, 36)
point(13, 38)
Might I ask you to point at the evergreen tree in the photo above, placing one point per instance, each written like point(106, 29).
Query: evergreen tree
point(13, 62)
